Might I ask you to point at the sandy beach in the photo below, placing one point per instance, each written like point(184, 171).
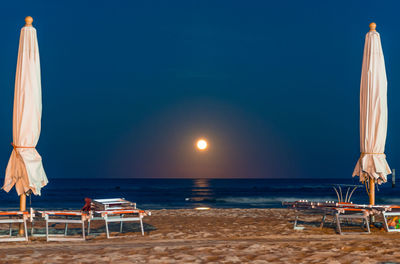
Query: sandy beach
point(214, 236)
point(199, 104)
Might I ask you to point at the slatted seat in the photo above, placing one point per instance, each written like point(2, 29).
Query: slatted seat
point(339, 211)
point(14, 217)
point(116, 210)
point(343, 213)
point(66, 217)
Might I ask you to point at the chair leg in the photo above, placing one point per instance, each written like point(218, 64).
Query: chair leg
point(47, 230)
point(295, 222)
point(88, 227)
point(66, 228)
point(83, 230)
point(322, 221)
point(32, 228)
point(141, 225)
point(338, 224)
point(26, 230)
point(120, 228)
point(385, 223)
point(108, 234)
point(10, 229)
point(367, 223)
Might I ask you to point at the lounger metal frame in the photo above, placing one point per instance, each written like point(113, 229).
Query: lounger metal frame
point(118, 216)
point(386, 214)
point(339, 211)
point(360, 214)
point(22, 218)
point(324, 213)
point(66, 220)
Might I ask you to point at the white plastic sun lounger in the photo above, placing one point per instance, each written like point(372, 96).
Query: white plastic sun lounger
point(339, 211)
point(392, 212)
point(119, 216)
point(12, 217)
point(116, 210)
point(66, 217)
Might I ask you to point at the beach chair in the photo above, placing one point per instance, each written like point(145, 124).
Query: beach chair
point(391, 218)
point(304, 207)
point(10, 218)
point(340, 212)
point(116, 210)
point(65, 217)
point(390, 214)
point(346, 213)
point(329, 208)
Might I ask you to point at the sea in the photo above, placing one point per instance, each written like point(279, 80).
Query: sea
point(192, 193)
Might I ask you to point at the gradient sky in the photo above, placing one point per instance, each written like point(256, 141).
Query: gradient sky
point(128, 86)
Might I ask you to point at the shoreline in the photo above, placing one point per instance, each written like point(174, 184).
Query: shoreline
point(214, 236)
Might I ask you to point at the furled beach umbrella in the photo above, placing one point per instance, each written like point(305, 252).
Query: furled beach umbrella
point(372, 166)
point(25, 170)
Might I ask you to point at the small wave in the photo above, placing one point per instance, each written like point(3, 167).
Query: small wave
point(269, 200)
point(204, 200)
point(388, 200)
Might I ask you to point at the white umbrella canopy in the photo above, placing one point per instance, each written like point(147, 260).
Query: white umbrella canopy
point(372, 165)
point(25, 169)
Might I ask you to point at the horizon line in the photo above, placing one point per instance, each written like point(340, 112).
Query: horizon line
point(217, 178)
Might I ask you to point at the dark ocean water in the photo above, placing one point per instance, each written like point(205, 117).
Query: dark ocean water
point(190, 193)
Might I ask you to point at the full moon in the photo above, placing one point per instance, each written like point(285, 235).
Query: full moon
point(201, 144)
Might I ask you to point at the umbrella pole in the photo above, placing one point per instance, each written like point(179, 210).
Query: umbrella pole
point(371, 191)
point(22, 207)
point(372, 196)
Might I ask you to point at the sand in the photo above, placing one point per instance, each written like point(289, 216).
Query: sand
point(214, 236)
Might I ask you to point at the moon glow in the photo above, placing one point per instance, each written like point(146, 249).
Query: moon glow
point(201, 144)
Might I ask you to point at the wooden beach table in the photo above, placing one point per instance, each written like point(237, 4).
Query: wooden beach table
point(12, 217)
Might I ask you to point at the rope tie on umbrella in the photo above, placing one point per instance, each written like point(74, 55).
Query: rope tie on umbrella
point(366, 182)
point(370, 153)
point(16, 147)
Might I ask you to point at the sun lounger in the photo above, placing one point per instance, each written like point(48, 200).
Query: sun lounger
point(66, 217)
point(12, 217)
point(349, 211)
point(391, 218)
point(116, 210)
point(343, 213)
point(119, 216)
point(339, 211)
point(306, 207)
point(112, 204)
point(313, 208)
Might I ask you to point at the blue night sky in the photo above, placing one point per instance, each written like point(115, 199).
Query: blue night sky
point(128, 86)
